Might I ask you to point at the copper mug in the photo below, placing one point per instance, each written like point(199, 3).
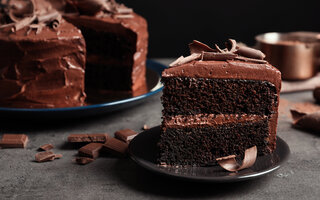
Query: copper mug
point(295, 54)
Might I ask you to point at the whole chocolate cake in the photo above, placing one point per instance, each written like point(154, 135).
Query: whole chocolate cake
point(218, 102)
point(42, 57)
point(117, 42)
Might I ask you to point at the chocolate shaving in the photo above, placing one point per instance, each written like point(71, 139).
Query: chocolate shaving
point(123, 16)
point(23, 23)
point(231, 45)
point(199, 47)
point(250, 52)
point(220, 50)
point(182, 60)
point(251, 60)
point(20, 9)
point(229, 163)
point(201, 51)
point(218, 56)
point(305, 120)
point(48, 17)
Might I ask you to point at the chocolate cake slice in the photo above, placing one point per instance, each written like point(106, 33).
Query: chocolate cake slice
point(218, 102)
point(42, 57)
point(117, 42)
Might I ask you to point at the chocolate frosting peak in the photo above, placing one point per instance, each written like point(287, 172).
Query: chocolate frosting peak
point(201, 51)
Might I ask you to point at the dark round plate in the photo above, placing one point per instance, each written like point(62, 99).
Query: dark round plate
point(154, 86)
point(143, 150)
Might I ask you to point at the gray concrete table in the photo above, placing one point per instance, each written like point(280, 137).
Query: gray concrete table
point(112, 178)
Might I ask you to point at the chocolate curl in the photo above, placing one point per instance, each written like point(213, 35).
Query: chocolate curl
point(122, 9)
point(220, 50)
point(229, 163)
point(182, 60)
point(306, 121)
point(48, 17)
point(55, 23)
point(23, 23)
point(251, 60)
point(218, 56)
point(199, 47)
point(250, 52)
point(19, 9)
point(232, 45)
point(123, 16)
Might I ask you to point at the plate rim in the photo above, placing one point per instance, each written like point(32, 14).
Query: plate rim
point(151, 64)
point(235, 178)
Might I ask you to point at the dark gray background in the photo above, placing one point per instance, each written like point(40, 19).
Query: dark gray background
point(174, 23)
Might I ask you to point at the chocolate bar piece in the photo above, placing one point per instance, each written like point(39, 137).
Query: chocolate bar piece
point(88, 138)
point(83, 160)
point(57, 156)
point(14, 141)
point(45, 156)
point(46, 147)
point(116, 147)
point(125, 135)
point(91, 150)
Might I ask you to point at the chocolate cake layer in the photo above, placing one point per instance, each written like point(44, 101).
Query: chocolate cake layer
point(44, 69)
point(186, 96)
point(116, 44)
point(200, 145)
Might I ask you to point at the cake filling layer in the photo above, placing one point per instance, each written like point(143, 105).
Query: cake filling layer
point(190, 96)
point(201, 145)
point(208, 119)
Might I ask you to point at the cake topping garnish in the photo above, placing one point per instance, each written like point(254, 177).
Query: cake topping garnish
point(34, 14)
point(307, 121)
point(233, 51)
point(230, 163)
point(101, 8)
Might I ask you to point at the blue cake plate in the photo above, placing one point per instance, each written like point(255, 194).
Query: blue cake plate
point(154, 86)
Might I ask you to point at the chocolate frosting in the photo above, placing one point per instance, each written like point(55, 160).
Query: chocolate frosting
point(109, 21)
point(45, 69)
point(232, 63)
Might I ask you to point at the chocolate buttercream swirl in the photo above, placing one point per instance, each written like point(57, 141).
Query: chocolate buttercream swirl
point(34, 14)
point(201, 51)
point(101, 8)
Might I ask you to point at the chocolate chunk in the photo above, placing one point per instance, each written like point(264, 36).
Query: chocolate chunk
point(91, 150)
point(218, 56)
point(46, 147)
point(14, 141)
point(250, 53)
point(45, 156)
point(125, 135)
point(199, 47)
point(83, 160)
point(88, 138)
point(116, 147)
point(229, 163)
point(316, 94)
point(308, 121)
